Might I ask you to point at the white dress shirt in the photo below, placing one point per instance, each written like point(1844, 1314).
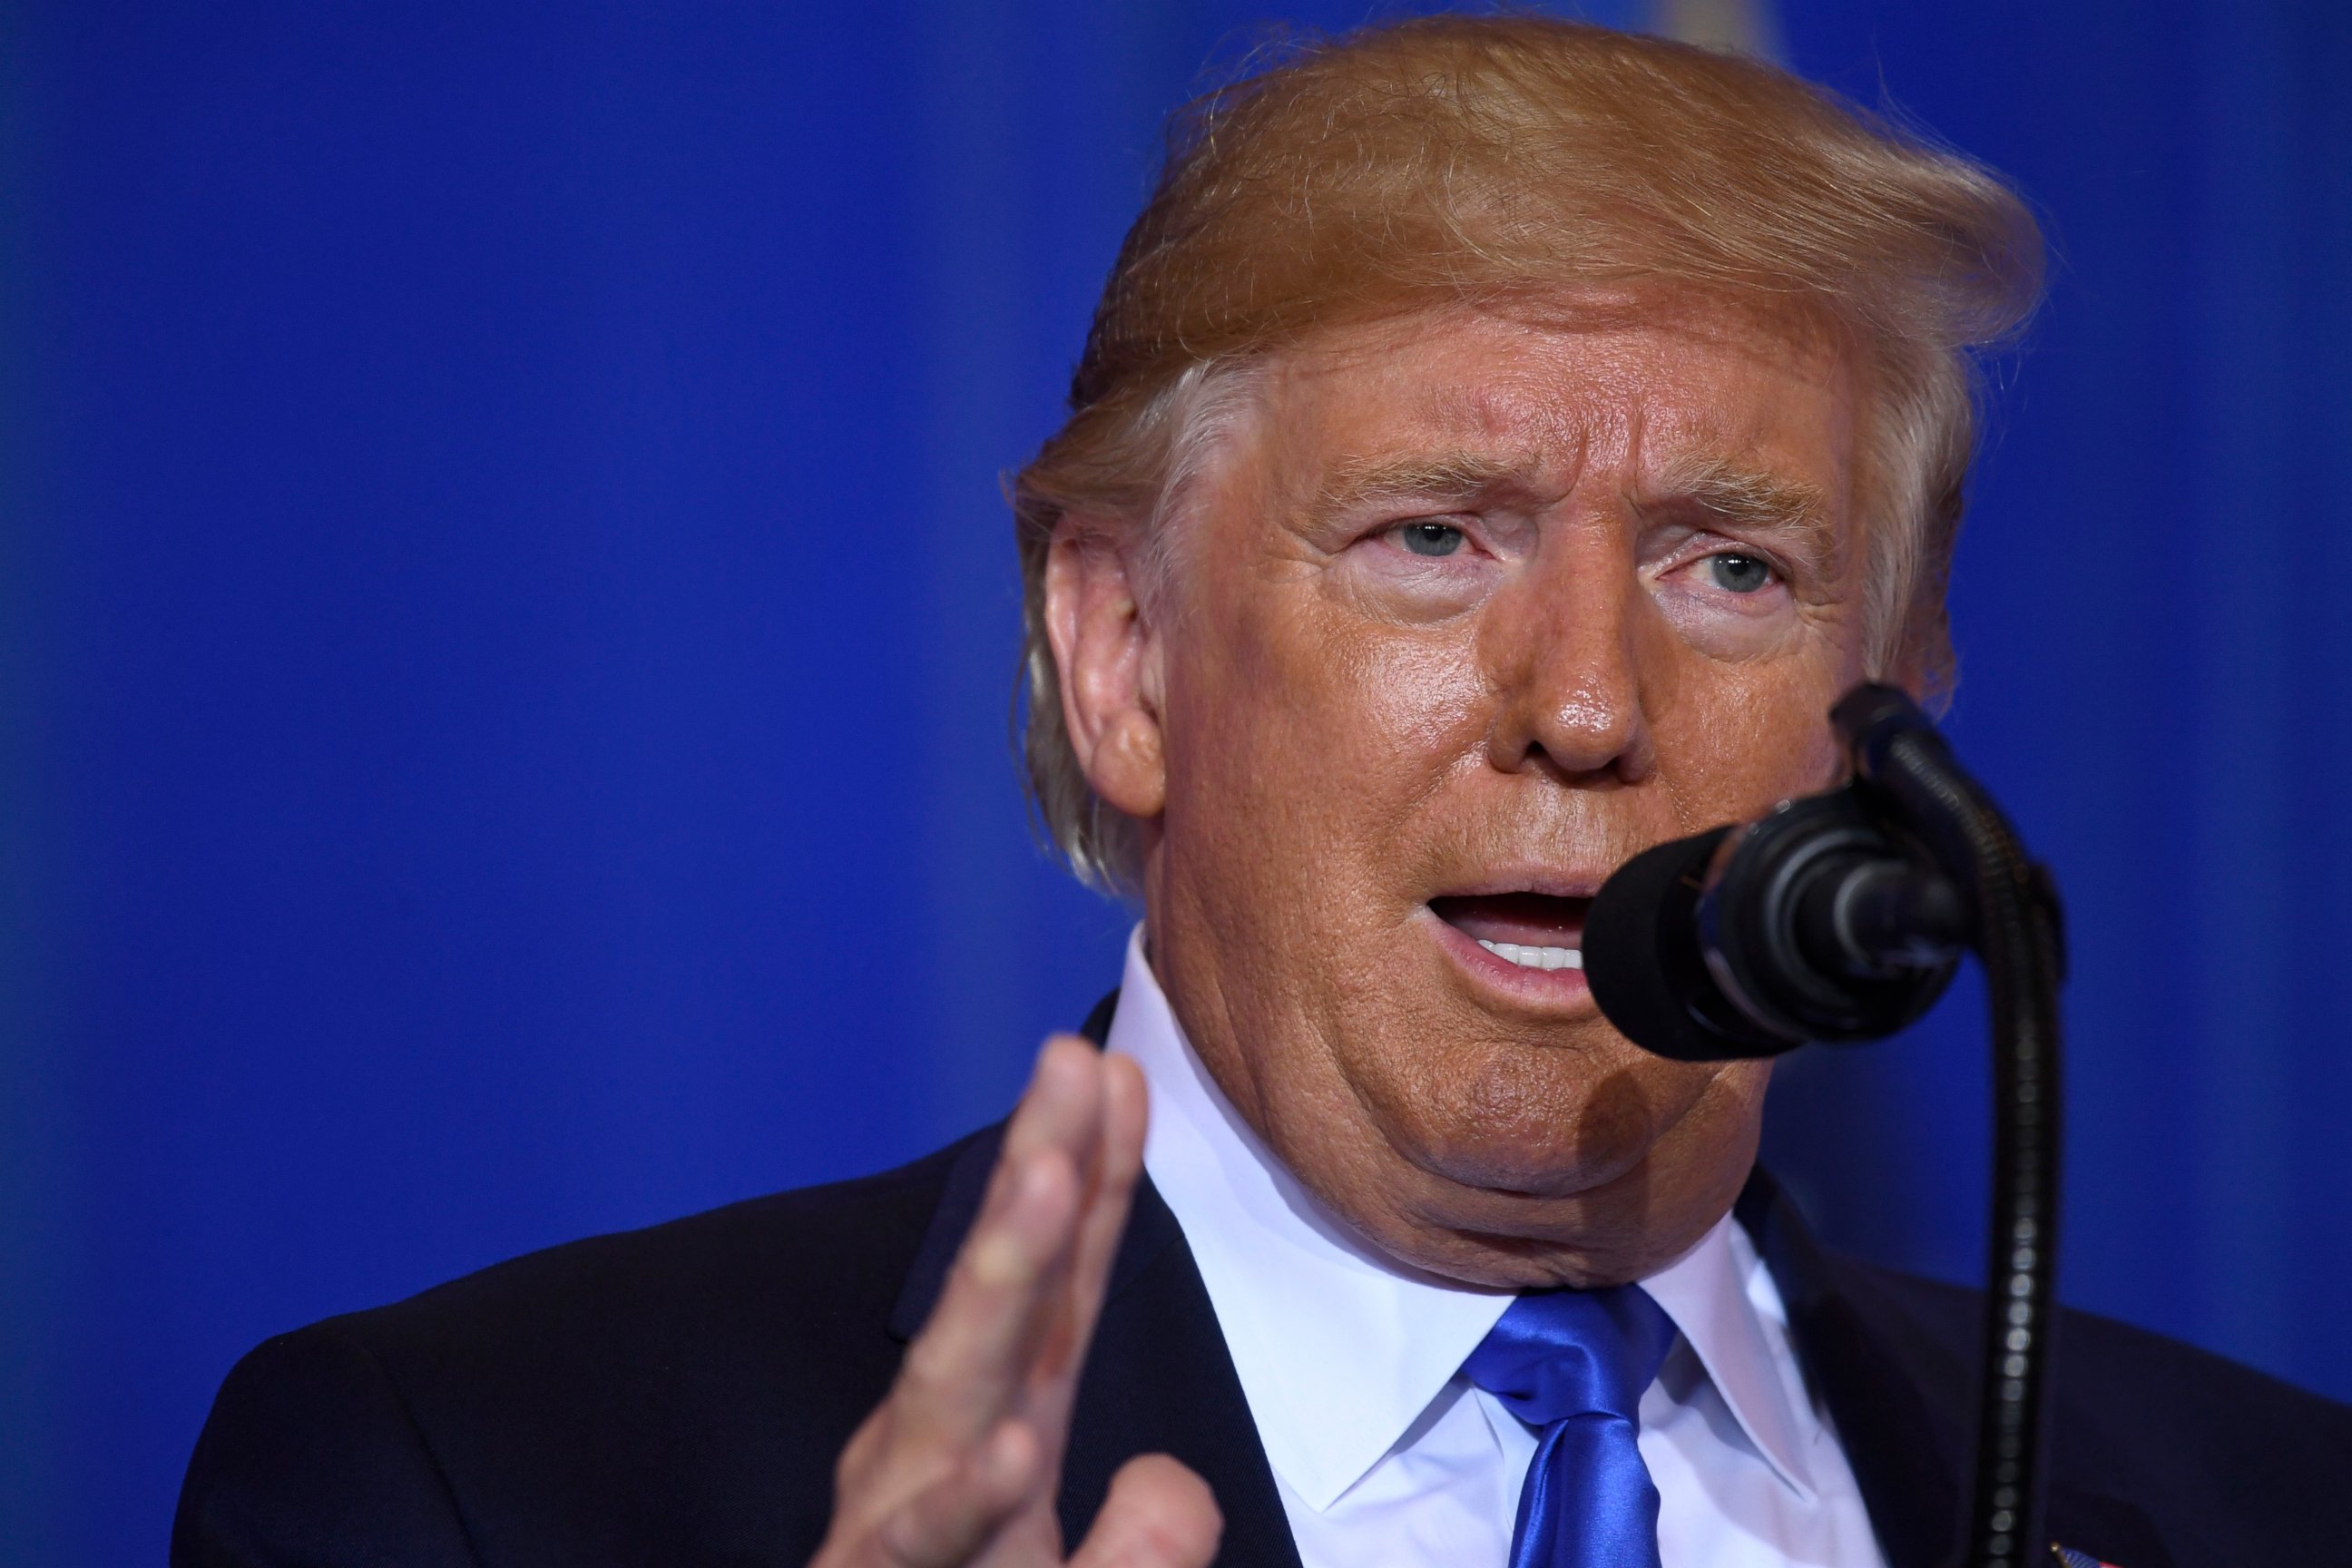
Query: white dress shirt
point(1383, 1453)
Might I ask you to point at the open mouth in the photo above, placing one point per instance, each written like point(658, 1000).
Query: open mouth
point(1532, 931)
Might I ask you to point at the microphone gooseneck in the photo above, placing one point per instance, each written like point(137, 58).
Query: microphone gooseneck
point(1842, 917)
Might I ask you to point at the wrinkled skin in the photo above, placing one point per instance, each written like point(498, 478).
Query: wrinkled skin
point(1474, 602)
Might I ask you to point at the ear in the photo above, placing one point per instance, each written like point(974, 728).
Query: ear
point(1109, 661)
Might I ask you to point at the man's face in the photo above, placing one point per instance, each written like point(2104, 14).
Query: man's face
point(1478, 606)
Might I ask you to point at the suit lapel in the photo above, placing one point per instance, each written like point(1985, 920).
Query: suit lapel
point(1158, 1380)
point(1892, 1410)
point(1903, 1401)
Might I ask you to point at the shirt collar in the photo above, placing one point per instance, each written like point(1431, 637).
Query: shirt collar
point(1711, 1293)
point(1341, 1348)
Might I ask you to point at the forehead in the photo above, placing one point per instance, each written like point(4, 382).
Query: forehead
point(1568, 391)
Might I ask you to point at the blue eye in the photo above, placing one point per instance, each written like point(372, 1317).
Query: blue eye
point(1740, 573)
point(1431, 538)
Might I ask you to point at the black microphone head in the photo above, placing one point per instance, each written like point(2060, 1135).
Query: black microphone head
point(1643, 961)
point(1776, 947)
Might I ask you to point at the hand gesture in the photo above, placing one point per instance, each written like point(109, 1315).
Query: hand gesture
point(960, 1463)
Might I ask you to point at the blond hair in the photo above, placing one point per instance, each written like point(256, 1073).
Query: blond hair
point(1457, 159)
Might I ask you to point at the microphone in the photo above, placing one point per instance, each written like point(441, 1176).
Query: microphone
point(1823, 919)
point(1841, 916)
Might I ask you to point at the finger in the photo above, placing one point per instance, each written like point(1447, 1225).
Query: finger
point(1159, 1515)
point(1102, 1221)
point(965, 1369)
point(1003, 1297)
point(947, 1522)
point(1062, 1107)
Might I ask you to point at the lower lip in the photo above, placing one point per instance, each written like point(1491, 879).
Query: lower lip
point(1552, 987)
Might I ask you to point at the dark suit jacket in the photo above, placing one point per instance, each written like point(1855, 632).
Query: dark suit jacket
point(678, 1397)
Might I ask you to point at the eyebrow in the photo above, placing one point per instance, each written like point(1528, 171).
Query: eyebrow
point(1452, 477)
point(1749, 498)
point(1746, 497)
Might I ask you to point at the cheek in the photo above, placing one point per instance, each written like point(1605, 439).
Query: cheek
point(1301, 751)
point(1733, 738)
point(1413, 701)
point(1728, 628)
point(1298, 700)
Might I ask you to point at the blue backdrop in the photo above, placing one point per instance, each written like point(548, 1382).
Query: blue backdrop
point(506, 622)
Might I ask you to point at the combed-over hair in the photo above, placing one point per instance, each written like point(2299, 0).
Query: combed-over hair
point(1460, 159)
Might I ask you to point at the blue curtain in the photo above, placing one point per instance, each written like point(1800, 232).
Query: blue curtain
point(2157, 662)
point(506, 625)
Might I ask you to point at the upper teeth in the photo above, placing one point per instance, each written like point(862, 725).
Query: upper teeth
point(1535, 957)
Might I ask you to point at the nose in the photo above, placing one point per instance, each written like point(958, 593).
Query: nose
point(1561, 650)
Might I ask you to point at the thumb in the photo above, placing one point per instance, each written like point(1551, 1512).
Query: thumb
point(1159, 1515)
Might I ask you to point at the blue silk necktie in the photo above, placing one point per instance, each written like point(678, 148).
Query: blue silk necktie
point(1573, 1364)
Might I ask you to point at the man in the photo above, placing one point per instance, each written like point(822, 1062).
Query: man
point(1499, 443)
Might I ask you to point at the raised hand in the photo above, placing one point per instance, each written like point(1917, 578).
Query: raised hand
point(960, 1464)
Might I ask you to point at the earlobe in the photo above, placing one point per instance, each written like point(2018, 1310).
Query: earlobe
point(1128, 770)
point(1107, 654)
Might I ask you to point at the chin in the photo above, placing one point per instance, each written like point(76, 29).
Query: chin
point(1543, 1154)
point(1520, 1242)
point(1538, 1121)
point(1600, 1170)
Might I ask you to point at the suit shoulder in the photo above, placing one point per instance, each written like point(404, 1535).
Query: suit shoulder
point(2105, 1362)
point(676, 1393)
point(309, 1448)
point(2227, 1463)
point(2224, 1424)
point(810, 1257)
